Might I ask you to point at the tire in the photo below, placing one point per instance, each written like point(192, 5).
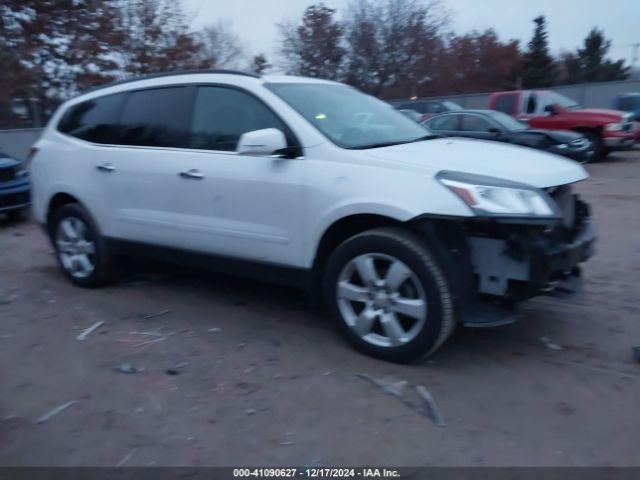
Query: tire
point(368, 311)
point(598, 146)
point(18, 215)
point(88, 242)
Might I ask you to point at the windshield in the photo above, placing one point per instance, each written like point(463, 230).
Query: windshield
point(349, 118)
point(508, 121)
point(562, 100)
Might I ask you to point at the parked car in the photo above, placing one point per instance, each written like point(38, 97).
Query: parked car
point(608, 130)
point(426, 108)
point(15, 196)
point(412, 114)
point(629, 102)
point(404, 236)
point(500, 127)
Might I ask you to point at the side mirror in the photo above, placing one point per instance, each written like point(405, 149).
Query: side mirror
point(268, 141)
point(551, 109)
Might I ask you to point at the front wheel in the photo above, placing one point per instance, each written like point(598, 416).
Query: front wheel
point(389, 295)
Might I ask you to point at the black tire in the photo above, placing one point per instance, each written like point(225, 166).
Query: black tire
point(599, 151)
point(407, 247)
point(18, 215)
point(101, 260)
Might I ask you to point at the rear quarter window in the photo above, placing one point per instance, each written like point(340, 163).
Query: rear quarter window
point(94, 120)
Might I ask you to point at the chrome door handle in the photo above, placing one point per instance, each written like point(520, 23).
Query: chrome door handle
point(105, 167)
point(192, 174)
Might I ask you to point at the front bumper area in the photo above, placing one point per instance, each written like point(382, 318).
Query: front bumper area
point(530, 263)
point(14, 196)
point(620, 142)
point(512, 263)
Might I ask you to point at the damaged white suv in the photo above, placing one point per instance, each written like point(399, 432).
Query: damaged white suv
point(315, 184)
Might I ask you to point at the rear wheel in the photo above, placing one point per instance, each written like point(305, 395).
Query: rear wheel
point(388, 295)
point(80, 249)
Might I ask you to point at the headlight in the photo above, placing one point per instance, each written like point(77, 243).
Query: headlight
point(613, 127)
point(498, 197)
point(562, 146)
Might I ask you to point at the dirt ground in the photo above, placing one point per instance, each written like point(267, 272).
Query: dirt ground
point(262, 379)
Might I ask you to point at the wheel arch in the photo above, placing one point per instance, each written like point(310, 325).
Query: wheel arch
point(588, 129)
point(57, 201)
point(336, 233)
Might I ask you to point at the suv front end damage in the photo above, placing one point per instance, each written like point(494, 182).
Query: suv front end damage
point(514, 259)
point(517, 261)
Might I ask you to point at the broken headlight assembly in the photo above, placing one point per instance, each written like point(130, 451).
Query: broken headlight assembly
point(496, 197)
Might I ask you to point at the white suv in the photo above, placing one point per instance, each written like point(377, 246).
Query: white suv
point(315, 184)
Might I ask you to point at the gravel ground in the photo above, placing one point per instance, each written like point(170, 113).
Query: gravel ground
point(259, 378)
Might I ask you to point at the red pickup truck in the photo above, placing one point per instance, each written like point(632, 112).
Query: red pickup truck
point(607, 129)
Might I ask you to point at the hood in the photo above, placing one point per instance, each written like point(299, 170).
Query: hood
point(601, 114)
point(494, 159)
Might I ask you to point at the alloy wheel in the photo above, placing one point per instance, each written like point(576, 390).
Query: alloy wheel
point(381, 300)
point(75, 248)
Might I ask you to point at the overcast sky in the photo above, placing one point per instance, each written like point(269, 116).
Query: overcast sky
point(569, 20)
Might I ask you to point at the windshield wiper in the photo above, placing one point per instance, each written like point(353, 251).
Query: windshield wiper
point(430, 136)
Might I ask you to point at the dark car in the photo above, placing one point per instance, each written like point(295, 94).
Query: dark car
point(15, 188)
point(498, 126)
point(427, 108)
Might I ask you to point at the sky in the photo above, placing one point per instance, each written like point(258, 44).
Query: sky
point(569, 21)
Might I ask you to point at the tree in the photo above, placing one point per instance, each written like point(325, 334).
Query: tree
point(259, 64)
point(221, 46)
point(478, 62)
point(155, 37)
point(393, 46)
point(589, 63)
point(539, 68)
point(56, 47)
point(313, 48)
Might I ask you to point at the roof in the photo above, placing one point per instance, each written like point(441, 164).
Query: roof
point(148, 79)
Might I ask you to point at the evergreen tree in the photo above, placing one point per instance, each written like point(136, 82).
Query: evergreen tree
point(539, 68)
point(589, 63)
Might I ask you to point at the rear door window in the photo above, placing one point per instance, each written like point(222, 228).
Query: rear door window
point(475, 123)
point(157, 117)
point(444, 123)
point(94, 120)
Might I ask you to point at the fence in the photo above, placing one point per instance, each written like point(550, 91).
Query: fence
point(592, 95)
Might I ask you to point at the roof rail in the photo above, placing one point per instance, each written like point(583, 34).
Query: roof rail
point(168, 74)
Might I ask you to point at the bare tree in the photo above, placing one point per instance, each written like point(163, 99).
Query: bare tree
point(155, 37)
point(313, 48)
point(259, 64)
point(393, 44)
point(221, 46)
point(53, 48)
point(477, 62)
